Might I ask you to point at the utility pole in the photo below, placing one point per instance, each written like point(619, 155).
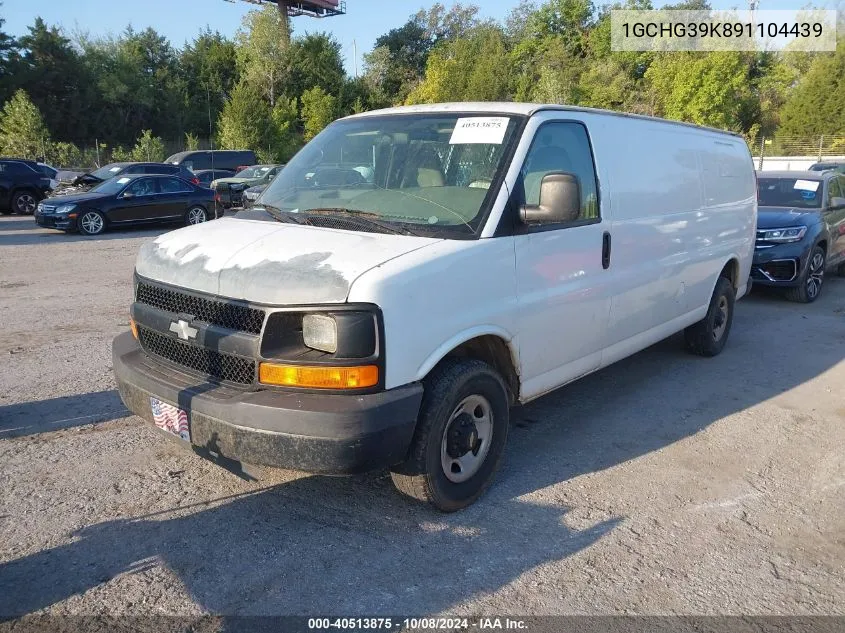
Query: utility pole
point(210, 130)
point(355, 56)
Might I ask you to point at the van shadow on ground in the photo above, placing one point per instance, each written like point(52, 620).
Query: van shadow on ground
point(355, 547)
point(43, 416)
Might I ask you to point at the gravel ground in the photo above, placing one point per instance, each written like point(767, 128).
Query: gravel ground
point(666, 484)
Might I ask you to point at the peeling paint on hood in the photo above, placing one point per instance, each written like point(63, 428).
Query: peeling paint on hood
point(269, 262)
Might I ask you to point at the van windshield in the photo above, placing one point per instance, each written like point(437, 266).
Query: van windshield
point(432, 173)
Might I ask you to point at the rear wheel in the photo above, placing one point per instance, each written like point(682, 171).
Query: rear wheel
point(708, 336)
point(196, 215)
point(810, 285)
point(24, 202)
point(460, 436)
point(91, 223)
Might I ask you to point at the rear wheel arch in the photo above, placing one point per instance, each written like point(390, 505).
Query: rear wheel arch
point(730, 271)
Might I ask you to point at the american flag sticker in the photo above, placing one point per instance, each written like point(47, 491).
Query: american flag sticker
point(171, 419)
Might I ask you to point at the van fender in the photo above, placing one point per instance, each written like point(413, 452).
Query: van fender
point(462, 337)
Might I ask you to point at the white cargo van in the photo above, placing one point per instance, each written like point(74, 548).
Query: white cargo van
point(414, 271)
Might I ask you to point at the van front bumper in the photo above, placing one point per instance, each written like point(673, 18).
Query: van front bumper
point(338, 434)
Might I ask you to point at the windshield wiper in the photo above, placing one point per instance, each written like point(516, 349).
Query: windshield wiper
point(277, 214)
point(365, 217)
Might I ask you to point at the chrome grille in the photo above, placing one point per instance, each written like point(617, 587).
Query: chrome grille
point(233, 316)
point(209, 362)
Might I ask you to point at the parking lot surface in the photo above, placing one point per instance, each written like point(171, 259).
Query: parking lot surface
point(666, 484)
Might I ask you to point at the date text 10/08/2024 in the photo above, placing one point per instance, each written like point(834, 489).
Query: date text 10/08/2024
point(415, 624)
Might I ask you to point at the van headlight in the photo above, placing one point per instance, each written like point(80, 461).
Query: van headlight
point(320, 332)
point(323, 347)
point(794, 234)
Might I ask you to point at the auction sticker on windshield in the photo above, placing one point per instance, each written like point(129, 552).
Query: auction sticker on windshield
point(807, 185)
point(479, 129)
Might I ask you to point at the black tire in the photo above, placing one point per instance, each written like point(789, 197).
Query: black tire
point(193, 214)
point(24, 202)
point(708, 336)
point(91, 223)
point(810, 283)
point(455, 392)
point(841, 270)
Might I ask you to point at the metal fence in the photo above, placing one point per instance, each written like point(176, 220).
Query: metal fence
point(797, 149)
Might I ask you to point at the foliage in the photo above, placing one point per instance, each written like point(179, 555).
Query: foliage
point(815, 106)
point(191, 142)
point(471, 68)
point(318, 110)
point(269, 93)
point(149, 148)
point(22, 129)
point(262, 55)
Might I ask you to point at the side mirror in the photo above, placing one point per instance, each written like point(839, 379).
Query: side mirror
point(126, 195)
point(837, 203)
point(560, 200)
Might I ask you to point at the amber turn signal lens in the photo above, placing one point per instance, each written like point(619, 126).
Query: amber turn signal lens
point(318, 377)
point(133, 327)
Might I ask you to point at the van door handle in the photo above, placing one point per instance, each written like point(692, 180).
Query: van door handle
point(605, 250)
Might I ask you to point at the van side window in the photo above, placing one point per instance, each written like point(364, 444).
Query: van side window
point(561, 146)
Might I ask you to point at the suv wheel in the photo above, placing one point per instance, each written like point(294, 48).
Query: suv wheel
point(460, 436)
point(708, 336)
point(24, 202)
point(810, 284)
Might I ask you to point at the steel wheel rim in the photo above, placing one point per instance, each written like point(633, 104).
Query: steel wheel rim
point(816, 276)
point(460, 469)
point(26, 203)
point(721, 321)
point(196, 216)
point(92, 223)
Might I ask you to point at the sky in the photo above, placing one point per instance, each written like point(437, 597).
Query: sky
point(181, 20)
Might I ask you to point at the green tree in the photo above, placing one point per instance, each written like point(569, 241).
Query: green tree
point(22, 130)
point(56, 78)
point(314, 61)
point(191, 142)
point(318, 110)
point(705, 88)
point(262, 53)
point(9, 63)
point(209, 71)
point(245, 120)
point(815, 106)
point(148, 148)
point(471, 68)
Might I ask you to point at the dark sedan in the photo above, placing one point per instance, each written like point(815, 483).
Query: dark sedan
point(128, 200)
point(86, 181)
point(206, 176)
point(800, 231)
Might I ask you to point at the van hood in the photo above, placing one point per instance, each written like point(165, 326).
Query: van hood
point(268, 262)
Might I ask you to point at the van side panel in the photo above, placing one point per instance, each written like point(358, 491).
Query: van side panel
point(683, 204)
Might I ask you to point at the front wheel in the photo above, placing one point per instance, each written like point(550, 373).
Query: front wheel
point(708, 336)
point(24, 203)
point(91, 223)
point(460, 436)
point(196, 215)
point(810, 284)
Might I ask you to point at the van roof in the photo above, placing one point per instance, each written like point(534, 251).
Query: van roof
point(526, 109)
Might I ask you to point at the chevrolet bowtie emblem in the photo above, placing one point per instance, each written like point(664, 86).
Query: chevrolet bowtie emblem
point(183, 329)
